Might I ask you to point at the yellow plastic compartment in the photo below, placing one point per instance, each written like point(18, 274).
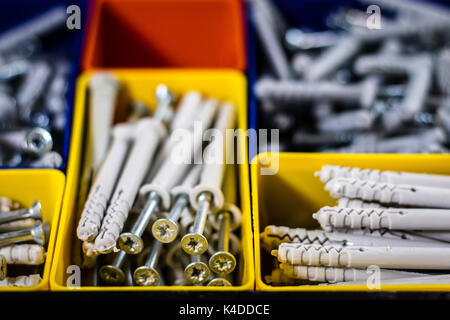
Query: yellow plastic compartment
point(47, 186)
point(140, 85)
point(290, 197)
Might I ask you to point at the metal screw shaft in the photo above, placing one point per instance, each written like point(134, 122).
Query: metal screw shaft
point(195, 243)
point(32, 88)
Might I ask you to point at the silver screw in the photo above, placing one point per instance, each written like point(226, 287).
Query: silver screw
point(166, 229)
point(195, 243)
point(147, 275)
point(322, 109)
point(14, 161)
point(426, 11)
point(8, 112)
point(3, 267)
point(113, 273)
point(131, 242)
point(197, 272)
point(13, 69)
point(355, 120)
point(32, 212)
point(37, 234)
point(32, 88)
point(223, 262)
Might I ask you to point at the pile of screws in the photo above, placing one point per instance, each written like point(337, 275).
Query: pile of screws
point(23, 238)
point(33, 84)
point(352, 89)
point(394, 222)
point(147, 172)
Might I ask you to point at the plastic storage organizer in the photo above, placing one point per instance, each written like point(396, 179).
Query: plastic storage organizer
point(46, 186)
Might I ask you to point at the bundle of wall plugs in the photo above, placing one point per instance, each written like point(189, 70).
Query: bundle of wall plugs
point(396, 222)
point(152, 217)
point(34, 73)
point(23, 239)
point(355, 89)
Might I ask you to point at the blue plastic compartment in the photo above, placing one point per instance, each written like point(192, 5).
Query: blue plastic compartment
point(70, 42)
